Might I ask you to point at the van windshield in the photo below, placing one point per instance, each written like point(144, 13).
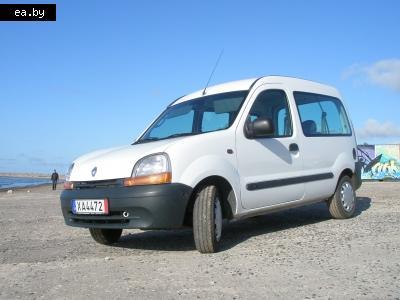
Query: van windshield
point(200, 115)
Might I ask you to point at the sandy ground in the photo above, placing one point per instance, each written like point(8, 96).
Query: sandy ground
point(296, 254)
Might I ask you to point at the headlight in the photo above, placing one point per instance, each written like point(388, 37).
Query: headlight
point(152, 169)
point(67, 184)
point(69, 172)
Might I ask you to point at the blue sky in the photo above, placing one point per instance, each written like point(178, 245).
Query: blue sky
point(99, 74)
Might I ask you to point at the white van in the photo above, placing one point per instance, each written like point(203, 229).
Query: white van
point(230, 151)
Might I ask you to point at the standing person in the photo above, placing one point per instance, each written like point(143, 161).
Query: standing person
point(54, 179)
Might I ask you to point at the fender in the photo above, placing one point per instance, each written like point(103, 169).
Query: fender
point(343, 162)
point(212, 165)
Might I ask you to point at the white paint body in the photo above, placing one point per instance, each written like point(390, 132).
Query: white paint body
point(194, 158)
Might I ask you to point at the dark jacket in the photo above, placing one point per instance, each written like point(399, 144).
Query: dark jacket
point(54, 176)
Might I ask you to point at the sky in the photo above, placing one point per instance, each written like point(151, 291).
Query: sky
point(104, 70)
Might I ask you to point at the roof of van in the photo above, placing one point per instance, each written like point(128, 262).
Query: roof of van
point(296, 84)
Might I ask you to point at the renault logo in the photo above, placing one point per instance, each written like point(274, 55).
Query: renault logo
point(94, 171)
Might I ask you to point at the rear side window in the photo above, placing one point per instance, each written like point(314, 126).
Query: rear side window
point(321, 115)
point(272, 104)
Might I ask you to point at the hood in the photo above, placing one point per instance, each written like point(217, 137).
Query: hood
point(116, 162)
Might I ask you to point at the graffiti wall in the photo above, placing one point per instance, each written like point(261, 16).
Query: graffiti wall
point(379, 162)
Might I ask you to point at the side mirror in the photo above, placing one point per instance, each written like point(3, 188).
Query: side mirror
point(261, 127)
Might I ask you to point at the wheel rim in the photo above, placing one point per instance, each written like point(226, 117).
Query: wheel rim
point(217, 219)
point(347, 196)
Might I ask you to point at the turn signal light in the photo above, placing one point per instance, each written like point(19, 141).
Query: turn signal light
point(149, 179)
point(68, 185)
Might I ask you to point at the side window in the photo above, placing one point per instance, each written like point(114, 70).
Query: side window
point(273, 104)
point(321, 115)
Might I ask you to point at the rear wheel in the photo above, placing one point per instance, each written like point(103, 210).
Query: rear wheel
point(342, 205)
point(207, 220)
point(105, 236)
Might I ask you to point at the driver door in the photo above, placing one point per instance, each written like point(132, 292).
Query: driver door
point(269, 165)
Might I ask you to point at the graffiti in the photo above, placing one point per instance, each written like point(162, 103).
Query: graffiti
point(379, 162)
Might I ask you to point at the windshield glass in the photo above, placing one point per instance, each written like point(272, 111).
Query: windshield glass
point(205, 114)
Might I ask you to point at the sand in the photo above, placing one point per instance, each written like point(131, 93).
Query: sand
point(296, 254)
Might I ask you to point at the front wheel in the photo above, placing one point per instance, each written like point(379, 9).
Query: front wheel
point(342, 205)
point(207, 220)
point(105, 236)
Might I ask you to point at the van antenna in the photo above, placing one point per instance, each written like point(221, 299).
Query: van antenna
point(212, 73)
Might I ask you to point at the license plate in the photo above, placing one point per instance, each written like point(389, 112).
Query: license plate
point(90, 206)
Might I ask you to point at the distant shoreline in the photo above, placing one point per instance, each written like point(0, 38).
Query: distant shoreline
point(28, 175)
point(25, 175)
point(34, 177)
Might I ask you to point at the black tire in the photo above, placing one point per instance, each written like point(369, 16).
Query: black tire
point(342, 204)
point(207, 220)
point(105, 236)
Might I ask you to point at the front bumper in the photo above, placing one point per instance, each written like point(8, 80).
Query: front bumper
point(150, 207)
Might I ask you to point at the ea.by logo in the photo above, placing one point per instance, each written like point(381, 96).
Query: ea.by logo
point(94, 171)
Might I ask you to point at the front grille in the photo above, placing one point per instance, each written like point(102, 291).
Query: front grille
point(97, 184)
point(99, 222)
point(113, 218)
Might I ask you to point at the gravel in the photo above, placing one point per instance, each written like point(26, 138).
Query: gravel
point(295, 254)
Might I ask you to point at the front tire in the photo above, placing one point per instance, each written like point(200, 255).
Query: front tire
point(105, 236)
point(207, 220)
point(342, 205)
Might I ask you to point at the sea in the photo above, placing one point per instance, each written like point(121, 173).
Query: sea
point(9, 182)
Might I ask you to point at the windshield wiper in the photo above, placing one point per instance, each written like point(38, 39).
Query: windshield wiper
point(146, 140)
point(179, 135)
point(152, 139)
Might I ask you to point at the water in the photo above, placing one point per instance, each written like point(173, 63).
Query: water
point(8, 182)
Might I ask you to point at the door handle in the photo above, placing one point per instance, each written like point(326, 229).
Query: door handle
point(293, 147)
